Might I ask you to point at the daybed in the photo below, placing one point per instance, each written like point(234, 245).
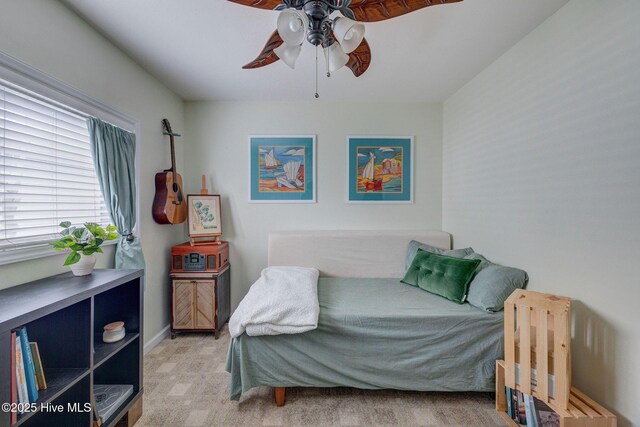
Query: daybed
point(374, 332)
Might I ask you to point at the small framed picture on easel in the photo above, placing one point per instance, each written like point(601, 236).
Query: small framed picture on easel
point(204, 218)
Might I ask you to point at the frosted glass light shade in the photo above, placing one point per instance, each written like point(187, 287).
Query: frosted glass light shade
point(335, 57)
point(349, 33)
point(292, 26)
point(289, 54)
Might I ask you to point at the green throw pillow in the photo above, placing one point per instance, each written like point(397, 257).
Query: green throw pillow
point(414, 245)
point(441, 275)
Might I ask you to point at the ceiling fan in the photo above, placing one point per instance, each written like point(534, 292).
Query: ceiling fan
point(300, 19)
point(341, 37)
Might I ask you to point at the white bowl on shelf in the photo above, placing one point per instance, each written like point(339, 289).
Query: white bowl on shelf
point(113, 332)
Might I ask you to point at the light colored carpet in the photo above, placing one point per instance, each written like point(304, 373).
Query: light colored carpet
point(185, 384)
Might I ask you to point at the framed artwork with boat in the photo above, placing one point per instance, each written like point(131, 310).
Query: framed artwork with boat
point(282, 169)
point(380, 169)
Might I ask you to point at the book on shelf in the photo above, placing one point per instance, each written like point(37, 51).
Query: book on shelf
point(528, 410)
point(29, 369)
point(534, 380)
point(528, 406)
point(37, 364)
point(522, 412)
point(21, 381)
point(544, 415)
point(109, 398)
point(514, 404)
point(509, 403)
point(13, 381)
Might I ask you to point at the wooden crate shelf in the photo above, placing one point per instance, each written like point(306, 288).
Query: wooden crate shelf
point(537, 336)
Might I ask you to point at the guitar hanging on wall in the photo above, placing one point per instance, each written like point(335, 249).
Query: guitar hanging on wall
point(169, 203)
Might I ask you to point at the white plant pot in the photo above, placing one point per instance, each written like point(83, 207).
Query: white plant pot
point(84, 266)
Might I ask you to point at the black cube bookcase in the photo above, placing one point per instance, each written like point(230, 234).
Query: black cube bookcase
point(65, 315)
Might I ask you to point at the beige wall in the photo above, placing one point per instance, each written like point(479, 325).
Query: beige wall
point(48, 36)
point(541, 171)
point(218, 147)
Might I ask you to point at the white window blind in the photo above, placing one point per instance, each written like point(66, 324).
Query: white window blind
point(46, 171)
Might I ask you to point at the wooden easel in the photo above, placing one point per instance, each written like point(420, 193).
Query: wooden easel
point(209, 239)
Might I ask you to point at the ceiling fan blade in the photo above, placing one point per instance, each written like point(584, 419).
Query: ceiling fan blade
point(267, 56)
point(360, 59)
point(379, 10)
point(260, 4)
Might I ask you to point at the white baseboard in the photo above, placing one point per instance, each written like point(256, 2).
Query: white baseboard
point(164, 332)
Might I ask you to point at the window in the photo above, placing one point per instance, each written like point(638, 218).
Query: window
point(46, 170)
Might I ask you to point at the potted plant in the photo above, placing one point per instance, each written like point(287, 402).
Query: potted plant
point(83, 242)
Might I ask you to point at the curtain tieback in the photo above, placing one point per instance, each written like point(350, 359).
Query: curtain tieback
point(129, 237)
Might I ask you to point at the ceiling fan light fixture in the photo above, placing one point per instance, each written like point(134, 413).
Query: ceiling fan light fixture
point(292, 26)
point(335, 57)
point(312, 19)
point(289, 54)
point(348, 33)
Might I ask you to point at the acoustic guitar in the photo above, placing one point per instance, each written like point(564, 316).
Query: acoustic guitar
point(169, 203)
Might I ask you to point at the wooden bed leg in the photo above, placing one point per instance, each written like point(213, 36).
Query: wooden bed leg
point(280, 394)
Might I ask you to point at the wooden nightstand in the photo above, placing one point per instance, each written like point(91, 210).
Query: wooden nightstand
point(200, 288)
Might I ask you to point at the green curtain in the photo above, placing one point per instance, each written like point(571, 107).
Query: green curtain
point(113, 151)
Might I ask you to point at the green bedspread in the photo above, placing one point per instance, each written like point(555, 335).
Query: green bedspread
point(376, 334)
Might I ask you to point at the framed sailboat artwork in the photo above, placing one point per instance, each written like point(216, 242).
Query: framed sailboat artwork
point(282, 169)
point(380, 169)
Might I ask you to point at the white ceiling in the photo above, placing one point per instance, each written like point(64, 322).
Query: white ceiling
point(197, 48)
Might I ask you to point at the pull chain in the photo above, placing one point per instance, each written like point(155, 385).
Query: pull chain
point(317, 95)
point(326, 60)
